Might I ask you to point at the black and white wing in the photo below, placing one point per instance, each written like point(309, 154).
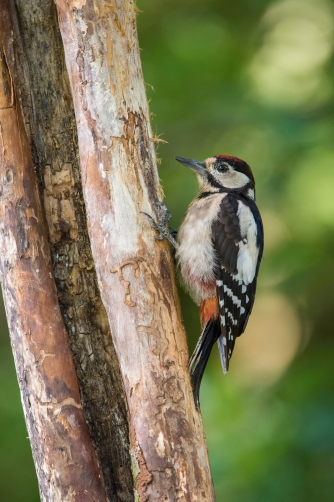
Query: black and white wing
point(237, 236)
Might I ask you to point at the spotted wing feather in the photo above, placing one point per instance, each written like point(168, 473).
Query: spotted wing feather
point(235, 297)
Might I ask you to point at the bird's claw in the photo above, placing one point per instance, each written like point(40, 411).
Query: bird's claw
point(165, 215)
point(161, 225)
point(153, 223)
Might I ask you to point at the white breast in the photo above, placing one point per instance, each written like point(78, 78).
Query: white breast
point(248, 250)
point(195, 253)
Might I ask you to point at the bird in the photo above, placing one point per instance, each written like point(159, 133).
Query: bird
point(218, 251)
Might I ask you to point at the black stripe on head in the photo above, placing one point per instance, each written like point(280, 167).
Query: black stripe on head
point(213, 182)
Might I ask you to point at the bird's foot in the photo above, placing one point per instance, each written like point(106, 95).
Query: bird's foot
point(161, 225)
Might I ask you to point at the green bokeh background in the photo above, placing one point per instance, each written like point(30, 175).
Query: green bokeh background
point(250, 78)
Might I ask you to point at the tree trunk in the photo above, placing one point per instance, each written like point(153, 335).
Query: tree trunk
point(135, 272)
point(65, 460)
point(49, 115)
point(155, 437)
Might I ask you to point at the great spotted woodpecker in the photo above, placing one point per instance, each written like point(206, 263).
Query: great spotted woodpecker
point(218, 251)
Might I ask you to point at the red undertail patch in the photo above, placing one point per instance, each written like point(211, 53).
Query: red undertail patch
point(209, 310)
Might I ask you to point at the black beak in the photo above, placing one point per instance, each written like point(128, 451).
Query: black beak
point(195, 165)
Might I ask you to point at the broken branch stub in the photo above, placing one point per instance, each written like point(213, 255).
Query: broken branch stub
point(135, 272)
point(65, 460)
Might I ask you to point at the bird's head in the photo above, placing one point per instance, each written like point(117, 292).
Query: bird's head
point(222, 171)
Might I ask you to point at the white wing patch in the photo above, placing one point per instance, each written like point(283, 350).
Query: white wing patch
point(248, 250)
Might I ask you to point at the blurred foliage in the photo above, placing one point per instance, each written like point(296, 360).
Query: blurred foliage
point(17, 474)
point(255, 79)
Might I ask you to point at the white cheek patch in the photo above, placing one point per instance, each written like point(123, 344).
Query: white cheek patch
point(232, 179)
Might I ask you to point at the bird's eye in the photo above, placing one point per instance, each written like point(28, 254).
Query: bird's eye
point(222, 168)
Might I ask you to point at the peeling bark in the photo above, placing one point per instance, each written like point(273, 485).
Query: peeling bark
point(135, 272)
point(65, 460)
point(45, 94)
point(155, 434)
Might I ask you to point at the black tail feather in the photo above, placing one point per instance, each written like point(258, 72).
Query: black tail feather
point(199, 359)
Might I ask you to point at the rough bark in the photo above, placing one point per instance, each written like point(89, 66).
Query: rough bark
point(135, 272)
point(50, 121)
point(65, 460)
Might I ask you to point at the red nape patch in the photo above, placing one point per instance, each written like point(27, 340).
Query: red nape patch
point(209, 310)
point(229, 157)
